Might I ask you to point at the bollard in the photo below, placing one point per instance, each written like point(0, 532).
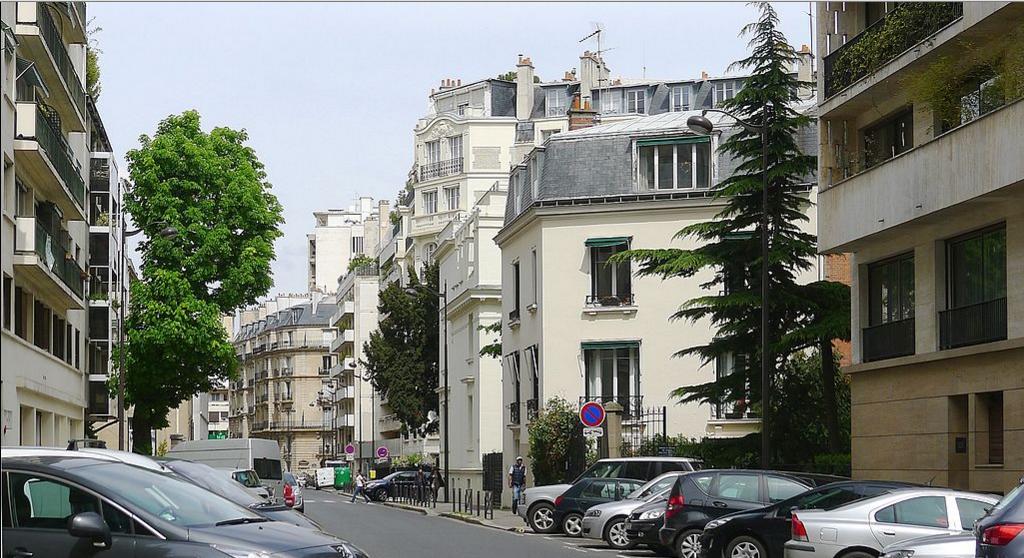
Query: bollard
point(478, 504)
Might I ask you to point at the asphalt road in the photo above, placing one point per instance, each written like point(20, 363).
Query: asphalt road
point(385, 532)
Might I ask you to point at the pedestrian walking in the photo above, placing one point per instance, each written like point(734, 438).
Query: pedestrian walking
point(360, 488)
point(517, 482)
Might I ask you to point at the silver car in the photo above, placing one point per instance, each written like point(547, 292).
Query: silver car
point(862, 529)
point(937, 546)
point(606, 521)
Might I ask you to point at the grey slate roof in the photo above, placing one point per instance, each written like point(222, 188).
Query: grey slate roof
point(300, 315)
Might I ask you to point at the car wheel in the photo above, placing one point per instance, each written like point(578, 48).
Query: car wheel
point(688, 544)
point(858, 554)
point(745, 547)
point(615, 535)
point(542, 518)
point(572, 524)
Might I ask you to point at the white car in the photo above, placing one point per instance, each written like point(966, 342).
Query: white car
point(938, 546)
point(863, 528)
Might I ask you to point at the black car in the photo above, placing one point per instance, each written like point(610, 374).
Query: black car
point(1001, 532)
point(78, 506)
point(573, 503)
point(698, 498)
point(643, 523)
point(763, 532)
point(383, 488)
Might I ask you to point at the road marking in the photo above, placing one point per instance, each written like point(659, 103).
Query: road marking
point(311, 501)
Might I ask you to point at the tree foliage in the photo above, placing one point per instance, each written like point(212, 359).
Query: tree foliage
point(401, 356)
point(492, 349)
point(360, 261)
point(212, 190)
point(92, 61)
point(556, 442)
point(799, 315)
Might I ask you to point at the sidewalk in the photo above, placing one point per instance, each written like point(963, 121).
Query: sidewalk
point(503, 519)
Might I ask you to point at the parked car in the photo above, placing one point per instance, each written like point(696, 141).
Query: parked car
point(381, 489)
point(1000, 534)
point(763, 532)
point(538, 503)
point(255, 454)
point(699, 498)
point(77, 504)
point(292, 494)
point(643, 523)
point(863, 528)
point(607, 521)
point(250, 480)
point(589, 492)
point(935, 546)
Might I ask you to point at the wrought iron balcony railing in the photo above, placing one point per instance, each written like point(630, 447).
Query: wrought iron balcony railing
point(973, 324)
point(514, 412)
point(888, 340)
point(438, 169)
point(532, 409)
point(626, 299)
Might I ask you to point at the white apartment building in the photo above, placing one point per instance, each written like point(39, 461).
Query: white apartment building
point(576, 328)
point(45, 231)
point(217, 413)
point(470, 274)
point(337, 237)
point(927, 195)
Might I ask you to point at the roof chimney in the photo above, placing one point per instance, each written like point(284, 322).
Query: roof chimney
point(524, 88)
point(581, 116)
point(593, 74)
point(805, 71)
point(703, 75)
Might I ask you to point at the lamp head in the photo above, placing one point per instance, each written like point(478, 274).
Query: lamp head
point(700, 124)
point(168, 232)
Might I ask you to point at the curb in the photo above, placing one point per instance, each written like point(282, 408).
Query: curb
point(405, 507)
point(476, 521)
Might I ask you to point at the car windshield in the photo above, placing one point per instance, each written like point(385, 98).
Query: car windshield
point(249, 479)
point(653, 487)
point(1010, 497)
point(172, 500)
point(213, 480)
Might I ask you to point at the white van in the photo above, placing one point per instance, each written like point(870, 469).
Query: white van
point(262, 456)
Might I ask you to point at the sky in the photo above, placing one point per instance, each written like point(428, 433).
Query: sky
point(329, 93)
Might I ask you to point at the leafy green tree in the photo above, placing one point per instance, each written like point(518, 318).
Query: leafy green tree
point(799, 316)
point(492, 349)
point(401, 356)
point(556, 442)
point(212, 190)
point(360, 261)
point(92, 61)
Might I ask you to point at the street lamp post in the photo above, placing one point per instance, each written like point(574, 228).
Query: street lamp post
point(166, 232)
point(443, 295)
point(702, 125)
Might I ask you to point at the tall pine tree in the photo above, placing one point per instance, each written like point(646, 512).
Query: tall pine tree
point(799, 316)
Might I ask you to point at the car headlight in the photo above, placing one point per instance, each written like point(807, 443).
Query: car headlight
point(717, 523)
point(651, 514)
point(593, 513)
point(899, 554)
point(235, 552)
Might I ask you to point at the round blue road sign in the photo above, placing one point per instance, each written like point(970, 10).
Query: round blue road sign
point(592, 414)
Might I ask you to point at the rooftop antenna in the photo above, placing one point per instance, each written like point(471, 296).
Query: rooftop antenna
point(596, 34)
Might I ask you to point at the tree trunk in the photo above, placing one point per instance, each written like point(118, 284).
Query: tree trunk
point(142, 427)
point(828, 391)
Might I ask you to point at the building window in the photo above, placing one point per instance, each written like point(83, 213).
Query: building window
point(556, 102)
point(357, 245)
point(433, 151)
point(610, 283)
point(21, 311)
point(680, 98)
point(430, 202)
point(976, 292)
point(613, 374)
point(990, 407)
point(545, 135)
point(532, 362)
point(889, 138)
point(674, 165)
point(513, 316)
point(42, 326)
point(8, 302)
point(24, 201)
point(451, 195)
point(428, 253)
point(534, 175)
point(536, 273)
point(636, 102)
point(724, 90)
point(461, 109)
point(736, 405)
point(512, 365)
point(890, 331)
point(455, 147)
point(611, 101)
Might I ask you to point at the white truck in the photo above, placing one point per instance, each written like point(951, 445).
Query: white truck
point(259, 455)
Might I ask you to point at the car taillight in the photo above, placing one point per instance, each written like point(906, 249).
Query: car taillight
point(1001, 535)
point(798, 531)
point(675, 504)
point(289, 495)
point(558, 501)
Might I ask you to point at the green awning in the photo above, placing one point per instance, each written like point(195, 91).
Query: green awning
point(590, 345)
point(607, 241)
point(673, 140)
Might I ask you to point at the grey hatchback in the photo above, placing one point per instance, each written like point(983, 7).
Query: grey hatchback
point(80, 506)
point(1001, 532)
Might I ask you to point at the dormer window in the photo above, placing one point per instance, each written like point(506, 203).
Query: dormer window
point(680, 99)
point(674, 163)
point(556, 102)
point(611, 101)
point(636, 102)
point(724, 90)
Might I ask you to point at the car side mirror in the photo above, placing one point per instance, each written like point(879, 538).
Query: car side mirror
point(89, 525)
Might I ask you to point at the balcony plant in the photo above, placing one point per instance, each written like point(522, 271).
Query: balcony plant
point(103, 219)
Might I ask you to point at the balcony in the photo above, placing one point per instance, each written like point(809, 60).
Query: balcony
point(263, 398)
point(389, 424)
point(260, 426)
point(39, 37)
point(903, 27)
point(440, 169)
point(284, 397)
point(348, 307)
point(45, 156)
point(733, 410)
point(632, 405)
point(431, 223)
point(347, 392)
point(923, 181)
point(348, 337)
point(348, 420)
point(51, 267)
point(532, 410)
point(301, 424)
point(972, 325)
point(888, 340)
point(514, 411)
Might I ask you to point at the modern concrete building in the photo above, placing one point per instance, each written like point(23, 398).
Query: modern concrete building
point(283, 346)
point(470, 274)
point(577, 328)
point(926, 192)
point(218, 411)
point(45, 229)
point(337, 238)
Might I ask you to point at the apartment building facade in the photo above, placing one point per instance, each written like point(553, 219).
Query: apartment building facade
point(337, 237)
point(926, 192)
point(283, 347)
point(577, 328)
point(45, 229)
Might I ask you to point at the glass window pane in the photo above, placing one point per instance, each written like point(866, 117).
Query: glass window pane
point(780, 489)
point(46, 504)
point(925, 511)
point(971, 511)
point(703, 164)
point(995, 265)
point(647, 168)
point(607, 374)
point(738, 486)
point(665, 177)
point(622, 369)
point(602, 272)
point(684, 166)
